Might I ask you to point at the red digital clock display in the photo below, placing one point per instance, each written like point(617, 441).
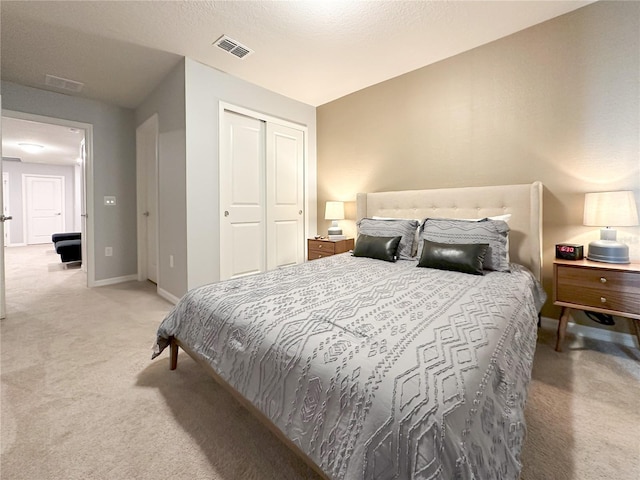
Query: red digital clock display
point(568, 251)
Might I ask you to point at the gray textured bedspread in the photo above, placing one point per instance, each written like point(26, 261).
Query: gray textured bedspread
point(376, 370)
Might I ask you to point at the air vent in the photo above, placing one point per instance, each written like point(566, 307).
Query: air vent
point(234, 48)
point(63, 83)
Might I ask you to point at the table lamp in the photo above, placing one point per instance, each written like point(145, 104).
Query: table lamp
point(334, 211)
point(609, 209)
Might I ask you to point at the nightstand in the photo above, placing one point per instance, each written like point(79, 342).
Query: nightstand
point(599, 287)
point(325, 248)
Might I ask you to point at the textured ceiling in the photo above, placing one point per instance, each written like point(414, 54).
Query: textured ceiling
point(312, 51)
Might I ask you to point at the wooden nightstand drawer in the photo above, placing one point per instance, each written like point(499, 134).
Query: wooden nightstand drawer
point(325, 248)
point(315, 254)
point(322, 246)
point(599, 288)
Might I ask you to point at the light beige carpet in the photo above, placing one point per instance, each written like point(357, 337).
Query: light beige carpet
point(80, 398)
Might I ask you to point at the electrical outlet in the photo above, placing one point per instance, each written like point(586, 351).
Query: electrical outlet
point(171, 261)
point(108, 251)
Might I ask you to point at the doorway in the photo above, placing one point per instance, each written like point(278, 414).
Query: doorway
point(79, 202)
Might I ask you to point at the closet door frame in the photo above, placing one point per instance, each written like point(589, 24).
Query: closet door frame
point(225, 106)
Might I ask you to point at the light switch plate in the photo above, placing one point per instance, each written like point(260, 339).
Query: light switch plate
point(109, 200)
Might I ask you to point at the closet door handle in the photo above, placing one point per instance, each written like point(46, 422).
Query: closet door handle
point(226, 213)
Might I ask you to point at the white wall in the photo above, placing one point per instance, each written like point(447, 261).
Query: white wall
point(186, 102)
point(205, 88)
point(114, 169)
point(167, 100)
point(15, 171)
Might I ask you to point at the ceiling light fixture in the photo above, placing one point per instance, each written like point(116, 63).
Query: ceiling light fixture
point(31, 147)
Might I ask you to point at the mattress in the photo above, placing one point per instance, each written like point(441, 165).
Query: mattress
point(376, 370)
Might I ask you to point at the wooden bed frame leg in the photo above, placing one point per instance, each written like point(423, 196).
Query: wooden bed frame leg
point(174, 354)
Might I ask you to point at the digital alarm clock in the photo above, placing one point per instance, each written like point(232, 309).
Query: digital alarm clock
point(569, 251)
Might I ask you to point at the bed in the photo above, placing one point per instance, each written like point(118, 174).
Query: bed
point(373, 369)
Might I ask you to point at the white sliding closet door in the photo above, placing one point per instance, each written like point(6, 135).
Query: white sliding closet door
point(261, 195)
point(242, 194)
point(285, 196)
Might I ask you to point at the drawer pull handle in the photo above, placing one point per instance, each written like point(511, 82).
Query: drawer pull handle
point(603, 280)
point(603, 300)
point(320, 246)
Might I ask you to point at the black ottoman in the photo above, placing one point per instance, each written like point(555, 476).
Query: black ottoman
point(58, 237)
point(69, 250)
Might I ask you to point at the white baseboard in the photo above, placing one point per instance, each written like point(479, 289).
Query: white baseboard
point(593, 333)
point(17, 245)
point(114, 280)
point(168, 296)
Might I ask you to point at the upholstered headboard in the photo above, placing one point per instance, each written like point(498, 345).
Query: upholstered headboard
point(523, 202)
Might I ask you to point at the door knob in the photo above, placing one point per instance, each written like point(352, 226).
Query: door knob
point(56, 214)
point(226, 213)
point(146, 214)
point(4, 219)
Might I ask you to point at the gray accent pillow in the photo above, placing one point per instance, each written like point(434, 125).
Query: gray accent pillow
point(458, 257)
point(493, 232)
point(392, 228)
point(380, 248)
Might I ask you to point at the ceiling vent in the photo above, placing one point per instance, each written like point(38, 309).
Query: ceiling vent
point(231, 46)
point(63, 83)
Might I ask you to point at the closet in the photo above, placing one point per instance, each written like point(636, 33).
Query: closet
point(261, 194)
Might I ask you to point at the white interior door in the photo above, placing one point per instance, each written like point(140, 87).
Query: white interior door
point(152, 209)
point(242, 194)
point(147, 163)
point(44, 206)
point(6, 208)
point(285, 196)
point(83, 204)
point(3, 306)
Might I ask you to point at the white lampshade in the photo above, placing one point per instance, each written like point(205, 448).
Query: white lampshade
point(334, 211)
point(609, 209)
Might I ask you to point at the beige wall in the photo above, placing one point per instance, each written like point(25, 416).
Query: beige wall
point(558, 102)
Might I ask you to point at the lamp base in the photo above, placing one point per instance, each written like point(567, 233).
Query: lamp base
point(334, 229)
point(608, 251)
